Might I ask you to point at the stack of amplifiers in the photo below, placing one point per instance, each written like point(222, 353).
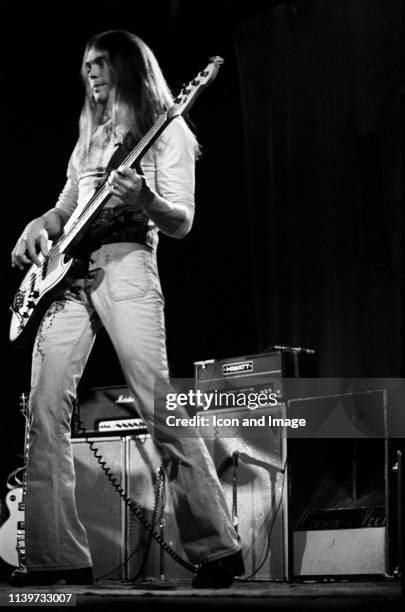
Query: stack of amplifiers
point(257, 487)
point(106, 411)
point(121, 547)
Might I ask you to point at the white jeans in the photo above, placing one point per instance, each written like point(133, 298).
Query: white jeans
point(122, 293)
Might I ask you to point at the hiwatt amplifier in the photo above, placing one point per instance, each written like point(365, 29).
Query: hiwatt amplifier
point(106, 411)
point(260, 373)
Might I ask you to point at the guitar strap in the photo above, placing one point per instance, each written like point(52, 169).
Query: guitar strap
point(122, 151)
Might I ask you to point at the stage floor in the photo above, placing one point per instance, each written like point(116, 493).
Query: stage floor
point(384, 595)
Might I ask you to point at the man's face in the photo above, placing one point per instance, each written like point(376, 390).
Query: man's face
point(99, 76)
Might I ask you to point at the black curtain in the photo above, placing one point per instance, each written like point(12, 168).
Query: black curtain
point(321, 96)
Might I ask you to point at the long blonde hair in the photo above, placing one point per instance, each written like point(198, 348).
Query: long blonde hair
point(140, 92)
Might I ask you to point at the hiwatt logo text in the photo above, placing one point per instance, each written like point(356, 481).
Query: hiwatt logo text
point(237, 368)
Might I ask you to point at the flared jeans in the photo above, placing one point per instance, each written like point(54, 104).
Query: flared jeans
point(122, 293)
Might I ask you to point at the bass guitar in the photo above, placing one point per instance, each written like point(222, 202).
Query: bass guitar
point(59, 268)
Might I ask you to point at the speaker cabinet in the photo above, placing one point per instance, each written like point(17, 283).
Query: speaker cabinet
point(121, 547)
point(338, 489)
point(251, 465)
point(99, 506)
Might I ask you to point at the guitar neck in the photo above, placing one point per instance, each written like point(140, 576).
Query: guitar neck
point(96, 201)
point(183, 102)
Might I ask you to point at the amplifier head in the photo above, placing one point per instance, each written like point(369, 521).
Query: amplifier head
point(105, 411)
point(258, 373)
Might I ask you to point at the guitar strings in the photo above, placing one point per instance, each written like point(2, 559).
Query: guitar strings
point(128, 161)
point(131, 158)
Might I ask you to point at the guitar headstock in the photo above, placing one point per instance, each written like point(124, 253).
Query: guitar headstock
point(189, 92)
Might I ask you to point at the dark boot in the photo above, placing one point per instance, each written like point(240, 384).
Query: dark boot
point(219, 574)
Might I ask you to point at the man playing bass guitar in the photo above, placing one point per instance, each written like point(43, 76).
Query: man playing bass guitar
point(119, 289)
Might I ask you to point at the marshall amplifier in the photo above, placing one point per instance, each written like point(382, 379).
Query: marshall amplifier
point(105, 411)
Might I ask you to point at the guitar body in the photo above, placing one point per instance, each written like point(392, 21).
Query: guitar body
point(12, 529)
point(40, 286)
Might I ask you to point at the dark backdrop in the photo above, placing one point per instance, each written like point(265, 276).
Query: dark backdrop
point(320, 85)
point(298, 232)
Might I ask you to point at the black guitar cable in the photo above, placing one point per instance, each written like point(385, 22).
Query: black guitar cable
point(131, 504)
